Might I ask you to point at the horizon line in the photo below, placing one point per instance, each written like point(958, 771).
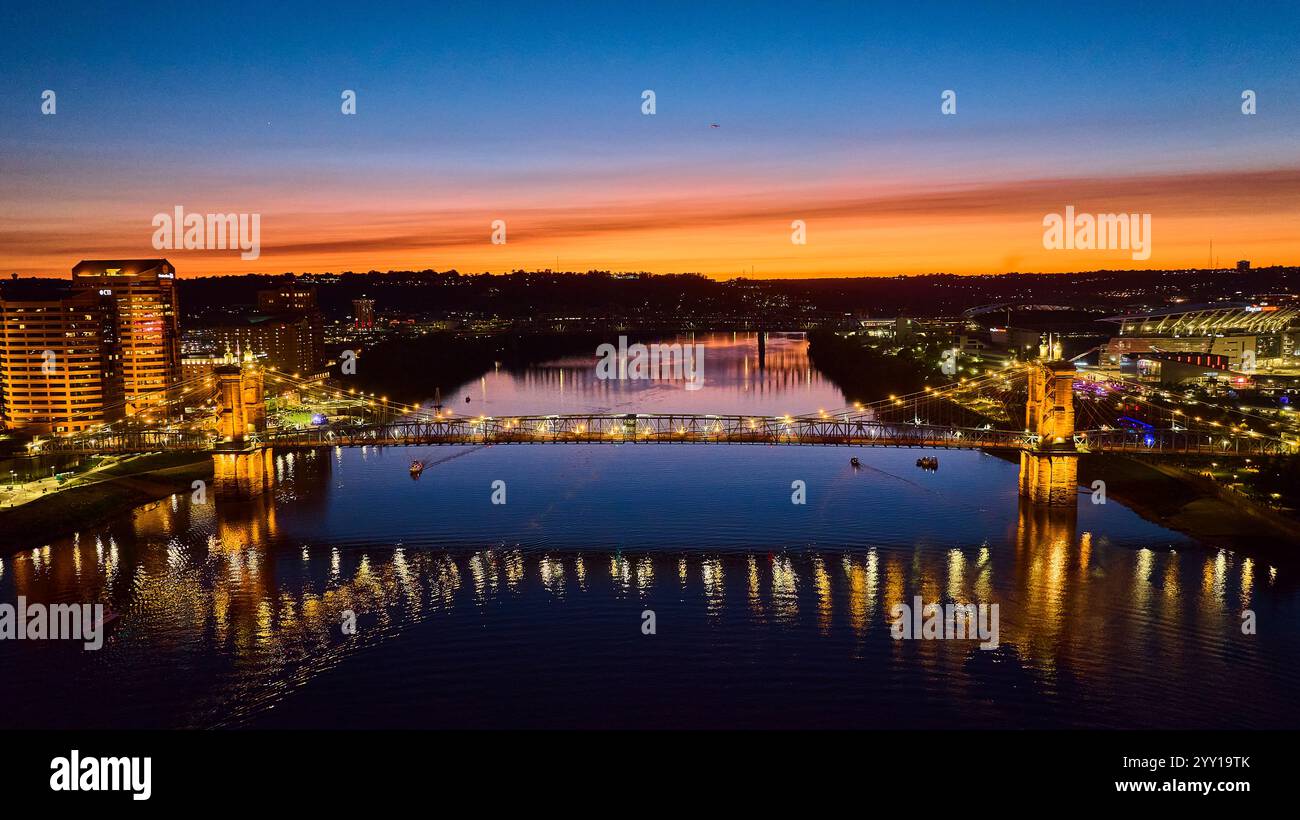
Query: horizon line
point(713, 278)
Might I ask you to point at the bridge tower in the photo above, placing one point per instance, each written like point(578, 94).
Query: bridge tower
point(241, 468)
point(1049, 470)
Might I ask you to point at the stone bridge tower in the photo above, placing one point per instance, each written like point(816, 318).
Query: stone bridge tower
point(241, 404)
point(1049, 470)
point(241, 467)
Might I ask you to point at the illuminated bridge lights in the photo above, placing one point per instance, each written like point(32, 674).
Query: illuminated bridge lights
point(819, 428)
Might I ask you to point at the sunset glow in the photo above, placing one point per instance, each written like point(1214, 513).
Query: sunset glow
point(465, 129)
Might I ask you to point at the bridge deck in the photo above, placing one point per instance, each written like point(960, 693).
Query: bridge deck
point(680, 429)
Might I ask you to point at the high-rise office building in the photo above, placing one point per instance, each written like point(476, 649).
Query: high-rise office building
point(148, 330)
point(297, 301)
point(285, 342)
point(286, 335)
point(59, 371)
point(290, 297)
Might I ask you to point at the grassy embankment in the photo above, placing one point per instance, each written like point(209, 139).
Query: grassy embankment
point(94, 496)
point(866, 370)
point(1176, 497)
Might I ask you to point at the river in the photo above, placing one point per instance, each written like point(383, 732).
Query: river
point(534, 612)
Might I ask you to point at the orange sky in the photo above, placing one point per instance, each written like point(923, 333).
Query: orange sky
point(869, 228)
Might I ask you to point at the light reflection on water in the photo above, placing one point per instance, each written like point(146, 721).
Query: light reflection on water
point(529, 614)
point(736, 381)
point(221, 632)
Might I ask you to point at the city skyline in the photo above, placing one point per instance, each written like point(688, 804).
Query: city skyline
point(465, 117)
point(415, 368)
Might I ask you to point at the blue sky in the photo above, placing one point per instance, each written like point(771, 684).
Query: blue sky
point(542, 99)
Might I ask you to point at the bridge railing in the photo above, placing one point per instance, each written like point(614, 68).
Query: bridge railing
point(651, 428)
point(1184, 442)
point(678, 428)
point(128, 441)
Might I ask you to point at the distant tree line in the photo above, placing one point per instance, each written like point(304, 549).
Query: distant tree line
point(866, 372)
point(548, 294)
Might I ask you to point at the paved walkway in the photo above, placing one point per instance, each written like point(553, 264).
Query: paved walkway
point(15, 495)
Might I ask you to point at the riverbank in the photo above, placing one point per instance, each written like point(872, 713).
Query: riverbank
point(1181, 500)
point(100, 495)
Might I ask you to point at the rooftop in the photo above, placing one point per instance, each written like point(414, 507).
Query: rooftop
point(120, 267)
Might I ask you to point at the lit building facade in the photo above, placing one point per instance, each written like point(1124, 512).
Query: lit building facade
point(289, 298)
point(148, 330)
point(294, 299)
point(59, 369)
point(280, 343)
point(1250, 335)
point(287, 343)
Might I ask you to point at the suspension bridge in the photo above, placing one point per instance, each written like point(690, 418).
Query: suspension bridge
point(1046, 411)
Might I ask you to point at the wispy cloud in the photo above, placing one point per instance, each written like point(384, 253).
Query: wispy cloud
point(927, 222)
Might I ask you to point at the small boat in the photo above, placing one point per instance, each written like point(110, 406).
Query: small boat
point(417, 467)
point(928, 463)
point(854, 461)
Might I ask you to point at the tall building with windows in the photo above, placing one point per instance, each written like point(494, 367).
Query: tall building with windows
point(290, 297)
point(59, 371)
point(285, 342)
point(286, 334)
point(148, 329)
point(296, 301)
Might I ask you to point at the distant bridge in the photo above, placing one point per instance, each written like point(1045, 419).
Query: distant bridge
point(981, 310)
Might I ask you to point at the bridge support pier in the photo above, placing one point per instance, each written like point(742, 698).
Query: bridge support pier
point(1049, 478)
point(242, 474)
point(241, 469)
point(1049, 472)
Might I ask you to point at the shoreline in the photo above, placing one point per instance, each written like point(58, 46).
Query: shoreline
point(38, 522)
point(1193, 505)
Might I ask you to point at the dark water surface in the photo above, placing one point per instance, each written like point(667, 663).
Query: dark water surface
point(767, 613)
